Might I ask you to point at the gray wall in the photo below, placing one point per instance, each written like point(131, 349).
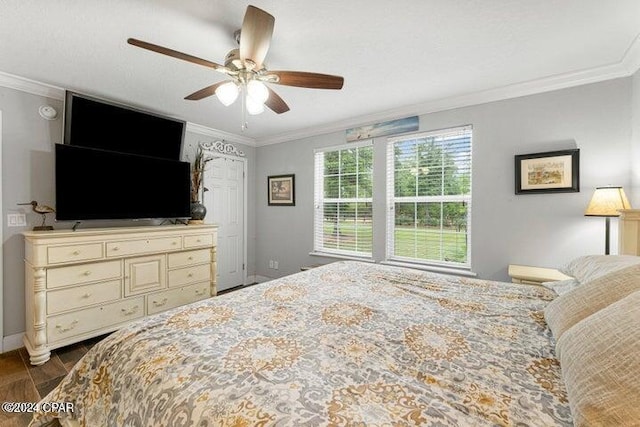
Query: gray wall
point(545, 230)
point(28, 174)
point(542, 229)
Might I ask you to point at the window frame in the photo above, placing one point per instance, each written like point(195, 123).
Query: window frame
point(391, 200)
point(319, 202)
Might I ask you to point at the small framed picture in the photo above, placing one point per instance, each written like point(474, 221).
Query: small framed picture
point(281, 190)
point(549, 172)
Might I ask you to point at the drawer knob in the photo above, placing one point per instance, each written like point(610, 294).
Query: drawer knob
point(115, 248)
point(161, 303)
point(87, 273)
point(76, 253)
point(198, 240)
point(200, 292)
point(190, 275)
point(72, 325)
point(87, 295)
point(174, 243)
point(190, 258)
point(131, 311)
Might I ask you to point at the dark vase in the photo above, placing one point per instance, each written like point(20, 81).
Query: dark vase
point(198, 211)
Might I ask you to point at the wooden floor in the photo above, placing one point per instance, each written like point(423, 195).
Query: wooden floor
point(22, 382)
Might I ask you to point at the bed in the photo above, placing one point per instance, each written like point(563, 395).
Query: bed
point(348, 343)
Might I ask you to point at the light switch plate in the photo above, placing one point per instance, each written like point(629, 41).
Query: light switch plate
point(16, 220)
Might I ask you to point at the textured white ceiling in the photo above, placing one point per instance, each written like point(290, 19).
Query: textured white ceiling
point(392, 54)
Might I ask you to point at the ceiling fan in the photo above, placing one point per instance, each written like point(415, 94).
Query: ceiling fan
point(246, 69)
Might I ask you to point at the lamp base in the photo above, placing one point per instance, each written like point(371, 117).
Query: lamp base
point(607, 226)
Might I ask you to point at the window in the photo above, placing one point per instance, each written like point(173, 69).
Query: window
point(429, 197)
point(343, 190)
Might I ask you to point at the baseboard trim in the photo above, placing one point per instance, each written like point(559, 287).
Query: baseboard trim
point(12, 342)
point(258, 279)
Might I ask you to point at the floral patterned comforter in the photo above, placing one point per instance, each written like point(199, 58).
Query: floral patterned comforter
point(344, 344)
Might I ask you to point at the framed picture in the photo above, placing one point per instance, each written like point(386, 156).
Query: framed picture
point(281, 190)
point(392, 127)
point(550, 172)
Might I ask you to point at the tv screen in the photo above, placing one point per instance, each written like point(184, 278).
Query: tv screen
point(94, 123)
point(100, 184)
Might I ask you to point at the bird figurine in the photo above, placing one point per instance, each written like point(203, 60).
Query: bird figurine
point(42, 210)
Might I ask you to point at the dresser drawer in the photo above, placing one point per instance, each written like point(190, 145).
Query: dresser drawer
point(143, 246)
point(198, 240)
point(165, 300)
point(82, 321)
point(182, 259)
point(83, 296)
point(85, 273)
point(71, 253)
point(187, 275)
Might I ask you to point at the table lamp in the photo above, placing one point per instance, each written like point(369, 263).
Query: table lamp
point(606, 201)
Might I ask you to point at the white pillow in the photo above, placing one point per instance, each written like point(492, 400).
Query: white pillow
point(561, 286)
point(601, 367)
point(589, 267)
point(588, 298)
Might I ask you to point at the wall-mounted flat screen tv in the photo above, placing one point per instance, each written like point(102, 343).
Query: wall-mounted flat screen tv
point(95, 123)
point(100, 184)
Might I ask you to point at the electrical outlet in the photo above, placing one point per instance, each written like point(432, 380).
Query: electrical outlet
point(275, 264)
point(270, 263)
point(16, 220)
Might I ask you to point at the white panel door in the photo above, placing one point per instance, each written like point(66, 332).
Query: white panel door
point(224, 200)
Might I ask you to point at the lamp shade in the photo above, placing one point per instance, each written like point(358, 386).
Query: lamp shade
point(253, 107)
point(606, 201)
point(258, 91)
point(227, 93)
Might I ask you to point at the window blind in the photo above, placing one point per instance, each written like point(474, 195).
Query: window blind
point(343, 200)
point(429, 197)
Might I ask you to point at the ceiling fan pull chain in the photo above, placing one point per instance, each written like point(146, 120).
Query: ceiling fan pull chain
point(245, 122)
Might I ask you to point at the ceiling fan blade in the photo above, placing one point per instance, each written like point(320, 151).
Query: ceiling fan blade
point(204, 92)
point(176, 54)
point(304, 79)
point(275, 103)
point(255, 35)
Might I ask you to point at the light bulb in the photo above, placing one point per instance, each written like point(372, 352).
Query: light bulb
point(253, 107)
point(258, 91)
point(227, 93)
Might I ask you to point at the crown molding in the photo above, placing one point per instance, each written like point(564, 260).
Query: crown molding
point(215, 133)
point(31, 86)
point(34, 87)
point(627, 66)
point(548, 84)
point(631, 59)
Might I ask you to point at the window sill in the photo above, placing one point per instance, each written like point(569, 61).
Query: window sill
point(339, 256)
point(433, 268)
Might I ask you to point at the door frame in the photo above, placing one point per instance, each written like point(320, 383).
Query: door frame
point(209, 154)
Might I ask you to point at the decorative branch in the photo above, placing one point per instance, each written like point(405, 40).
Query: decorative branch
point(197, 175)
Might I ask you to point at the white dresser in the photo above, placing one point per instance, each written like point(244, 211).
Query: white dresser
point(84, 283)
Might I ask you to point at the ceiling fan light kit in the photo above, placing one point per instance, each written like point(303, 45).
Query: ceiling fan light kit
point(227, 93)
point(258, 91)
point(253, 106)
point(245, 67)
